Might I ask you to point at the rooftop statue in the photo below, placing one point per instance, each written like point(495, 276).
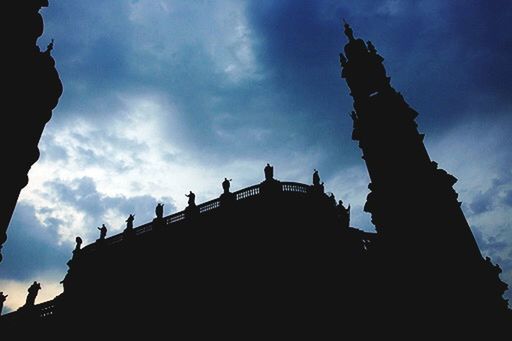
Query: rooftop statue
point(269, 172)
point(103, 231)
point(316, 178)
point(129, 221)
point(191, 198)
point(159, 210)
point(2, 300)
point(226, 184)
point(32, 294)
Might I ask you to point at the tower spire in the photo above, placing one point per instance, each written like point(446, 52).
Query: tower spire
point(348, 31)
point(412, 203)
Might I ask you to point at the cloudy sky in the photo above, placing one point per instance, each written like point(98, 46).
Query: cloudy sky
point(163, 97)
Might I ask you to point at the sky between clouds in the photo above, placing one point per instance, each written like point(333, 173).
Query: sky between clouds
point(163, 97)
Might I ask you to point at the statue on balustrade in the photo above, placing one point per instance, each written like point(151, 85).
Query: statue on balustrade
point(2, 300)
point(227, 198)
point(226, 184)
point(269, 172)
point(318, 187)
point(158, 222)
point(191, 198)
point(103, 232)
point(128, 231)
point(32, 294)
point(191, 211)
point(129, 222)
point(316, 178)
point(270, 186)
point(159, 211)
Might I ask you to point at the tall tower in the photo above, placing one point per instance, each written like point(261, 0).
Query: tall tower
point(31, 90)
point(425, 245)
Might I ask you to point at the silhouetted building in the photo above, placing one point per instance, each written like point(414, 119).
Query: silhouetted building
point(280, 259)
point(240, 266)
point(414, 207)
point(31, 87)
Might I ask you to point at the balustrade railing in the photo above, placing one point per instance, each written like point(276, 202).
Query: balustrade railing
point(143, 228)
point(247, 192)
point(173, 218)
point(209, 205)
point(46, 309)
point(293, 187)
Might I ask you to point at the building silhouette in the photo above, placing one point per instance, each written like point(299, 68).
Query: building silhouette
point(414, 206)
point(31, 90)
point(280, 259)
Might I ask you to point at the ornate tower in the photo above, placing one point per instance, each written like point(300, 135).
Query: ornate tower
point(31, 90)
point(425, 246)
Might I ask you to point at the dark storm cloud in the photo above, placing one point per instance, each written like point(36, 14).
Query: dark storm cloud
point(450, 59)
point(90, 53)
point(99, 147)
point(82, 195)
point(496, 196)
point(31, 248)
point(447, 58)
point(508, 198)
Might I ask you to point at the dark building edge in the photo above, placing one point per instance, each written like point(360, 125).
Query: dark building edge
point(32, 88)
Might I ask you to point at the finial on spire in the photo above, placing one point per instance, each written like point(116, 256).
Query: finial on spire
point(348, 31)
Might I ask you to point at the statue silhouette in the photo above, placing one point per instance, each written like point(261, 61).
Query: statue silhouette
point(78, 245)
point(191, 198)
point(103, 231)
point(2, 300)
point(226, 184)
point(159, 210)
point(32, 294)
point(129, 222)
point(269, 172)
point(316, 178)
